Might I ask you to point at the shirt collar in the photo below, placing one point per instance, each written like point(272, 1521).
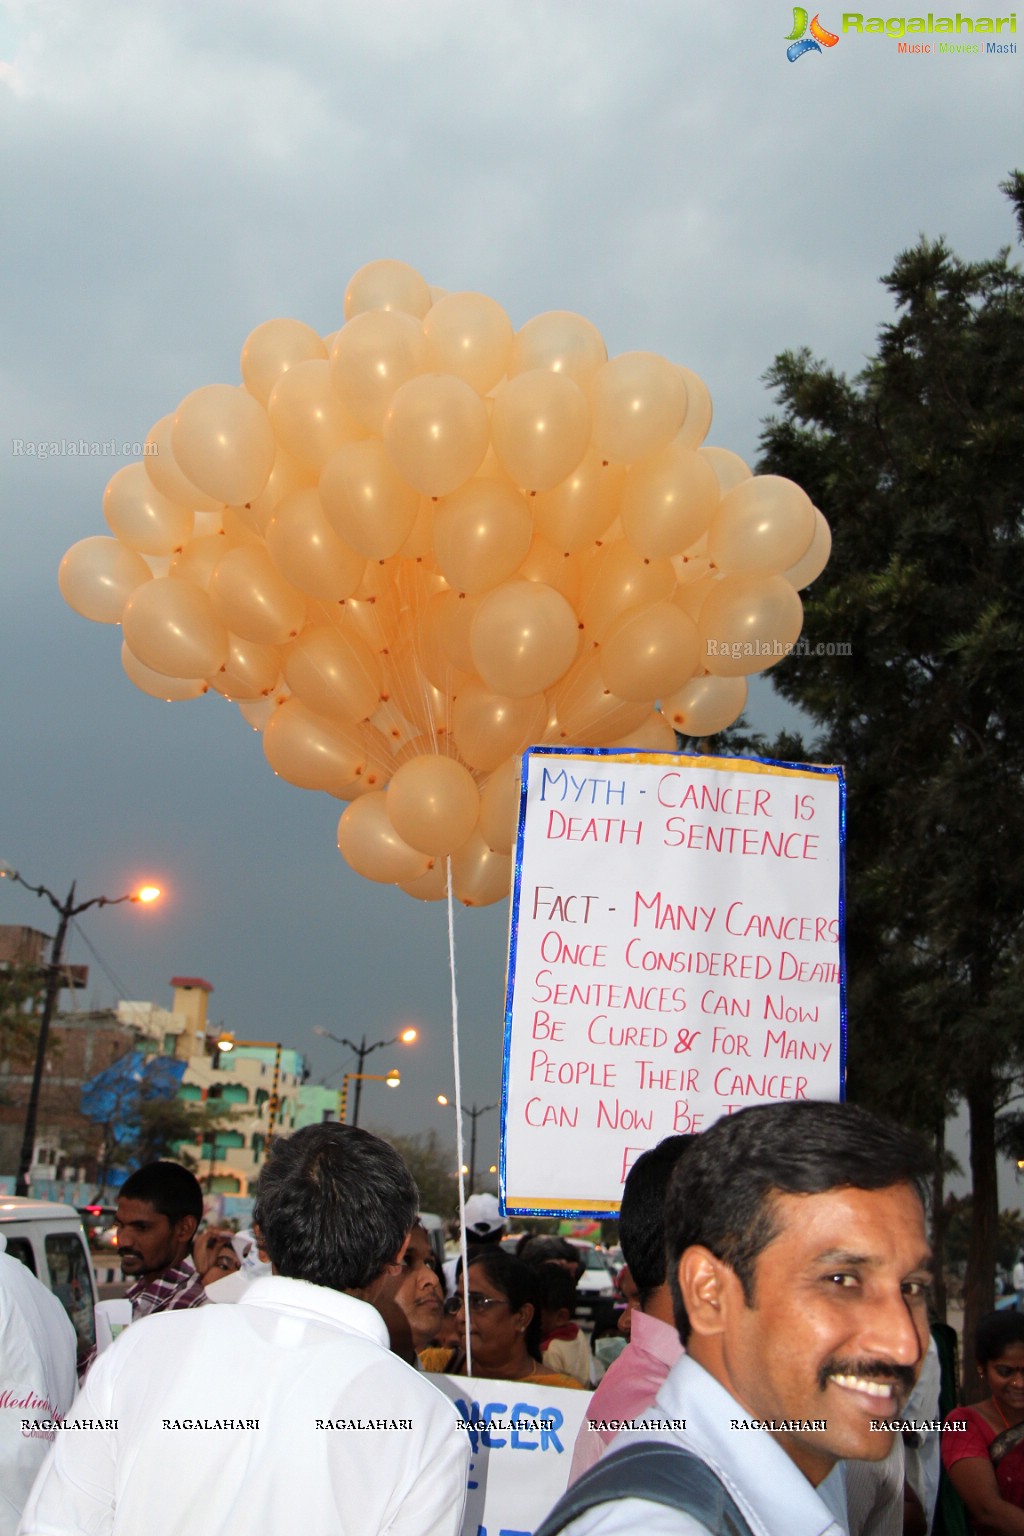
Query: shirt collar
point(175, 1277)
point(754, 1464)
point(655, 1337)
point(302, 1297)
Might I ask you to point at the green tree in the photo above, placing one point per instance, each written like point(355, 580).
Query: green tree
point(21, 998)
point(918, 464)
point(432, 1164)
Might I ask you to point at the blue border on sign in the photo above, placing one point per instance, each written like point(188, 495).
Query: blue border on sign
point(833, 770)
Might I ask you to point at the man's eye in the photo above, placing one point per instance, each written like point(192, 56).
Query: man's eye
point(842, 1279)
point(915, 1289)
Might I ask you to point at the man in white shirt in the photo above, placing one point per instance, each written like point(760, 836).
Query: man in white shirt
point(287, 1411)
point(799, 1266)
point(37, 1379)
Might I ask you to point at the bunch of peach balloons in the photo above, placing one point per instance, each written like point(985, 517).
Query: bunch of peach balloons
point(412, 548)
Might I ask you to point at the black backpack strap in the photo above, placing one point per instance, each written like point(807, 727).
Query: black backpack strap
point(660, 1473)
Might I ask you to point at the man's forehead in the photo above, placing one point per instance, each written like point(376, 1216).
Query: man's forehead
point(830, 1220)
point(138, 1210)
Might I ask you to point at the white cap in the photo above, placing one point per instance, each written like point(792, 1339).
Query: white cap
point(483, 1216)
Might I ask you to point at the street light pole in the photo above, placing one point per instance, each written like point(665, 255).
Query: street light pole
point(67, 910)
point(474, 1115)
point(362, 1050)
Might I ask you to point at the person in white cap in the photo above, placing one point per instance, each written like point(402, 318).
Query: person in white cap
point(484, 1224)
point(37, 1379)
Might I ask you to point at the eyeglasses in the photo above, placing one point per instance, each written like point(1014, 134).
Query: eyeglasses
point(477, 1303)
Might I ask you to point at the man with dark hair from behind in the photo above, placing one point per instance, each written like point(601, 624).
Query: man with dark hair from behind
point(287, 1411)
point(799, 1268)
point(631, 1382)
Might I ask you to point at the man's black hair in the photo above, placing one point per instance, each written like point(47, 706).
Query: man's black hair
point(546, 1248)
point(334, 1205)
point(721, 1195)
point(642, 1214)
point(169, 1188)
point(557, 1287)
point(996, 1332)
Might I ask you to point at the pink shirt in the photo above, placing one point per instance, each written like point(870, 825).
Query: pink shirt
point(628, 1387)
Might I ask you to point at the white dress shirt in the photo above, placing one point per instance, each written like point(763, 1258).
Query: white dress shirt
point(775, 1498)
point(37, 1379)
point(240, 1418)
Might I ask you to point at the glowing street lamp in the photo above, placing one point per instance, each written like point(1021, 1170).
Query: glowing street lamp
point(474, 1115)
point(392, 1080)
point(362, 1050)
point(67, 909)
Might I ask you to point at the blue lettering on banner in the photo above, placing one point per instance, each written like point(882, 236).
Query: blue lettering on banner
point(546, 1421)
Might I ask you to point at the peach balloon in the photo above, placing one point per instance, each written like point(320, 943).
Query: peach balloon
point(668, 501)
point(172, 690)
point(372, 357)
point(433, 804)
point(310, 421)
point(540, 428)
point(274, 347)
point(162, 468)
point(618, 577)
point(706, 705)
point(452, 617)
point(366, 501)
point(141, 516)
point(488, 726)
point(553, 567)
point(251, 671)
point(200, 558)
point(337, 675)
point(433, 886)
point(257, 712)
point(524, 638)
point(387, 284)
point(587, 712)
point(222, 441)
point(639, 404)
point(311, 751)
point(436, 433)
point(649, 652)
point(814, 562)
point(286, 478)
point(730, 470)
point(747, 624)
point(308, 552)
point(499, 805)
point(253, 598)
point(97, 576)
point(469, 335)
point(690, 596)
point(481, 533)
point(763, 525)
point(560, 341)
point(654, 734)
point(581, 507)
point(172, 627)
point(697, 421)
point(370, 845)
point(480, 876)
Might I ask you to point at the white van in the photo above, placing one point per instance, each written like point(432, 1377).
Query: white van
point(50, 1241)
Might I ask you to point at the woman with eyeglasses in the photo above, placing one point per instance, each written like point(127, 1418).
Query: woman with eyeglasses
point(504, 1324)
point(985, 1461)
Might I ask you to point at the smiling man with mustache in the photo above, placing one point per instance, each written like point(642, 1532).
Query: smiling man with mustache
point(799, 1266)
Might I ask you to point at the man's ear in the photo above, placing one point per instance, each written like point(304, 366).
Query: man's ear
point(708, 1288)
point(395, 1266)
point(185, 1229)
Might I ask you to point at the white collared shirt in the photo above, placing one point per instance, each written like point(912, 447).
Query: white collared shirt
point(37, 1379)
point(227, 1419)
point(776, 1498)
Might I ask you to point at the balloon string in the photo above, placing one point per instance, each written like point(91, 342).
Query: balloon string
point(459, 1147)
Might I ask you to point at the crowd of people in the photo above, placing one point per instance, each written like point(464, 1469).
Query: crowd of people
point(780, 1376)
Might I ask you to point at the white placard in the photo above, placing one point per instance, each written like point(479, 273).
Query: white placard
point(516, 1475)
point(675, 954)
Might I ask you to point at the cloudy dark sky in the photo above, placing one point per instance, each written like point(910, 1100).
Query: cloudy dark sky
point(173, 175)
